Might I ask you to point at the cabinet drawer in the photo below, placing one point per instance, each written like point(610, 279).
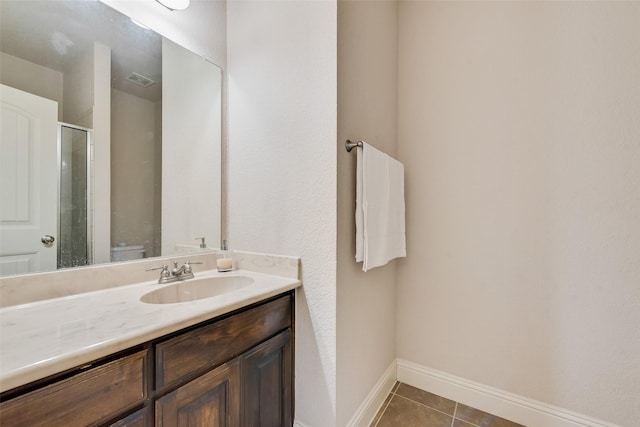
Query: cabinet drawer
point(218, 342)
point(83, 399)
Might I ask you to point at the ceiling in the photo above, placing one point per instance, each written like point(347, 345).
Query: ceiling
point(54, 34)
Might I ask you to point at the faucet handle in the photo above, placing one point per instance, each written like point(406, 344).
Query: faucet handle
point(188, 264)
point(164, 267)
point(203, 244)
point(165, 274)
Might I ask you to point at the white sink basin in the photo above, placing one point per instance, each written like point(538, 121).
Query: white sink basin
point(196, 289)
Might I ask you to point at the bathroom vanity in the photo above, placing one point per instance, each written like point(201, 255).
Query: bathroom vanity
point(225, 360)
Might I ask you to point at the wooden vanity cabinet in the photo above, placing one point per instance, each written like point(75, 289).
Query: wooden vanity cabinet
point(246, 363)
point(137, 419)
point(267, 383)
point(233, 371)
point(254, 389)
point(212, 399)
point(90, 397)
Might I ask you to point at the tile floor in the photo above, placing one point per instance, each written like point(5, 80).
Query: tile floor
point(408, 406)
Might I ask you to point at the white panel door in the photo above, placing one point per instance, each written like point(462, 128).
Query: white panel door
point(28, 182)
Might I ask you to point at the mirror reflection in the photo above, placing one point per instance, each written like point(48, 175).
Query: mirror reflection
point(74, 239)
point(110, 145)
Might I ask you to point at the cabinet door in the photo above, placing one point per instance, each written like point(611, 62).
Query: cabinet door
point(267, 383)
point(211, 400)
point(137, 419)
point(201, 349)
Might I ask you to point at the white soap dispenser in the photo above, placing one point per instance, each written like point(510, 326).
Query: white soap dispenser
point(224, 258)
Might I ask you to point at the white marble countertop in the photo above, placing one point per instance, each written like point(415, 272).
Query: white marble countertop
point(42, 338)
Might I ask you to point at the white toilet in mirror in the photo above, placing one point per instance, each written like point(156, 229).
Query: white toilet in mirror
point(126, 253)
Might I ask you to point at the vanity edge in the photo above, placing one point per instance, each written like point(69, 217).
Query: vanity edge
point(27, 288)
point(86, 283)
point(23, 371)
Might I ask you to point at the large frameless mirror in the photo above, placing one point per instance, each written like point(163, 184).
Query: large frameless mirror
point(111, 139)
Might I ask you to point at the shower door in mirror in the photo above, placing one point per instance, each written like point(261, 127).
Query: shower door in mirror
point(74, 247)
point(28, 160)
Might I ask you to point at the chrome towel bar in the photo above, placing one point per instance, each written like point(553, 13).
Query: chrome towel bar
point(351, 145)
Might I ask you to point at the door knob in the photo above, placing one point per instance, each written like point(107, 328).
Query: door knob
point(47, 239)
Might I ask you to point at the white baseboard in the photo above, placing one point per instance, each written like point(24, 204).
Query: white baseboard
point(367, 411)
point(297, 423)
point(513, 407)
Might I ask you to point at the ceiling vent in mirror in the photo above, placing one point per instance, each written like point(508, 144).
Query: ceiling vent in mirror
point(140, 80)
point(174, 4)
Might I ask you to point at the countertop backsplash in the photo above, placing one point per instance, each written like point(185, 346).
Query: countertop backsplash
point(23, 289)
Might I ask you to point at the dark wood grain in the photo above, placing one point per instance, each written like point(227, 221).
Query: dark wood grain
point(211, 400)
point(218, 342)
point(267, 383)
point(137, 419)
point(83, 399)
point(232, 371)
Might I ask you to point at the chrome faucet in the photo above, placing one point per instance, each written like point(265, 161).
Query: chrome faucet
point(183, 273)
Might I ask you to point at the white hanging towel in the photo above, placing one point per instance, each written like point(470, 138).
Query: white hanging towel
point(380, 228)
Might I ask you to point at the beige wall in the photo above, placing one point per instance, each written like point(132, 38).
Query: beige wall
point(32, 78)
point(367, 93)
point(79, 84)
point(519, 129)
point(133, 171)
point(281, 194)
